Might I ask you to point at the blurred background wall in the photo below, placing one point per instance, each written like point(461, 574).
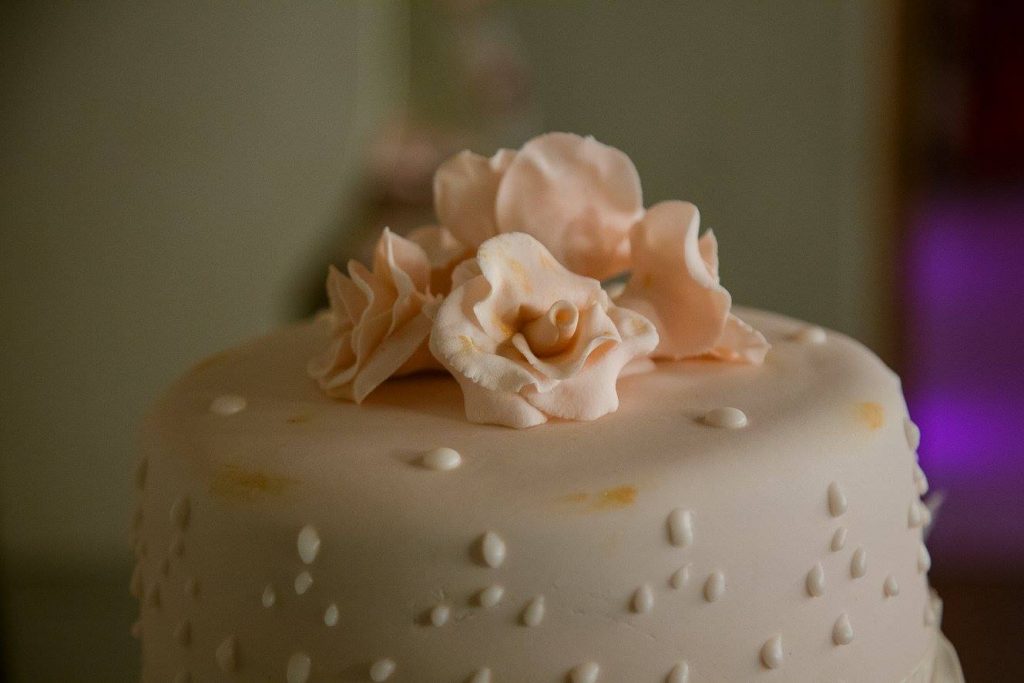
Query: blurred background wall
point(176, 178)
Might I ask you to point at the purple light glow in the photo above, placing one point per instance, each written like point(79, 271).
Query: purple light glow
point(965, 369)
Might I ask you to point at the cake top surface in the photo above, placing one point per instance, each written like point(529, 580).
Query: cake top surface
point(254, 405)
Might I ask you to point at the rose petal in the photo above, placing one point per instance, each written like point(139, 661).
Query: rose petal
point(577, 196)
point(444, 252)
point(591, 393)
point(525, 280)
point(406, 261)
point(380, 320)
point(741, 343)
point(462, 346)
point(673, 283)
point(389, 356)
point(347, 301)
point(595, 330)
point(506, 408)
point(465, 187)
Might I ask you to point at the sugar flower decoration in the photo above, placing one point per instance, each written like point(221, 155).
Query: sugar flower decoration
point(577, 196)
point(528, 340)
point(379, 320)
point(675, 284)
point(444, 253)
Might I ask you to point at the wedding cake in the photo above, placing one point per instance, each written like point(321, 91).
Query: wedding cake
point(533, 443)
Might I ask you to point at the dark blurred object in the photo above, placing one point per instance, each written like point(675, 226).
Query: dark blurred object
point(962, 296)
point(966, 105)
point(984, 620)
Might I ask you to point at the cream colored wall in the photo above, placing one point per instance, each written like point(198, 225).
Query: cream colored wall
point(167, 174)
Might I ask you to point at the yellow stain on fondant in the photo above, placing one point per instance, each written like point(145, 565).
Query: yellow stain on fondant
point(871, 414)
point(618, 497)
point(608, 499)
point(235, 483)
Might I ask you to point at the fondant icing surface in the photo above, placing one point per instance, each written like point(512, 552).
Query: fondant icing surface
point(648, 545)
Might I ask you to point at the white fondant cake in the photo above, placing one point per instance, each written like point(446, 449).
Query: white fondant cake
point(728, 522)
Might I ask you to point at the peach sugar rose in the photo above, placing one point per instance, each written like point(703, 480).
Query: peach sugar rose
point(529, 340)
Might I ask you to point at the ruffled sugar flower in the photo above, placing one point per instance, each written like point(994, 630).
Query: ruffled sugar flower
point(379, 320)
point(577, 196)
point(675, 284)
point(444, 253)
point(528, 340)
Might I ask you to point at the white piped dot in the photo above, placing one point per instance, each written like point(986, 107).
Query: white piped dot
point(771, 653)
point(842, 632)
point(440, 614)
point(533, 615)
point(920, 480)
point(932, 610)
point(680, 527)
point(838, 539)
point(331, 615)
point(381, 670)
point(181, 511)
point(302, 582)
point(442, 459)
point(924, 559)
point(726, 418)
point(816, 581)
point(926, 514)
point(227, 654)
point(836, 500)
point(269, 596)
point(890, 587)
point(912, 432)
point(915, 515)
point(308, 544)
point(714, 587)
point(680, 577)
point(492, 549)
point(585, 673)
point(680, 673)
point(491, 596)
point(859, 563)
point(811, 334)
point(643, 599)
point(183, 633)
point(299, 666)
point(228, 404)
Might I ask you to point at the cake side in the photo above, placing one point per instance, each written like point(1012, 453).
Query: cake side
point(282, 533)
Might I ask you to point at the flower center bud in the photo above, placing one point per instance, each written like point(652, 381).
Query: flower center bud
point(552, 332)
